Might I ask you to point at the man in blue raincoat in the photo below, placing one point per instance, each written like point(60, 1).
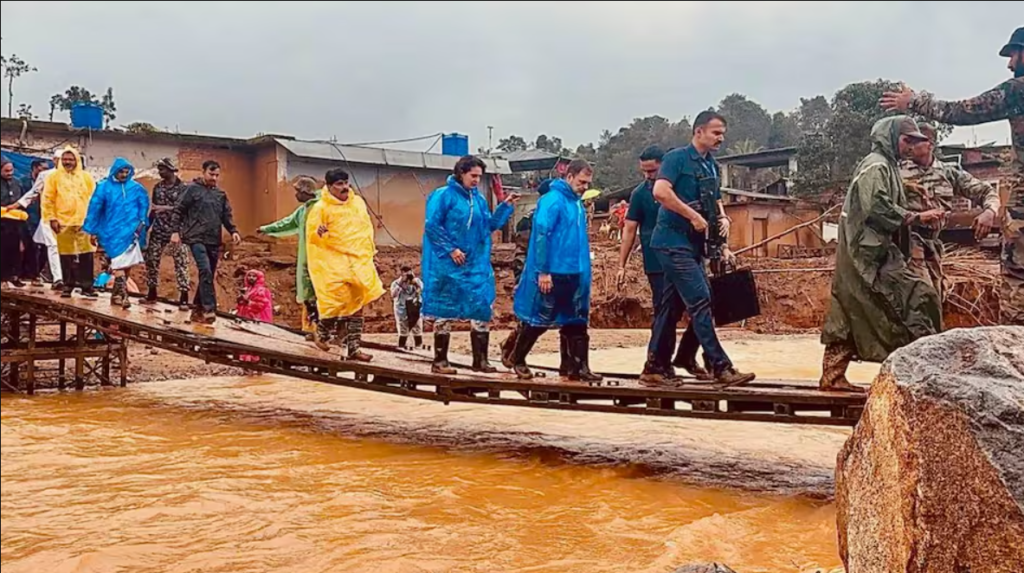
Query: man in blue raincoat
point(554, 291)
point(458, 278)
point(118, 216)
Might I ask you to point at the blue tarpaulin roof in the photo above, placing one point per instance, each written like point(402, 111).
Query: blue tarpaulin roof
point(22, 163)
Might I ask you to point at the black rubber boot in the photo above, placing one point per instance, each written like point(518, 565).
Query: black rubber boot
point(566, 367)
point(579, 350)
point(481, 342)
point(441, 365)
point(151, 296)
point(183, 303)
point(403, 342)
point(418, 341)
point(527, 337)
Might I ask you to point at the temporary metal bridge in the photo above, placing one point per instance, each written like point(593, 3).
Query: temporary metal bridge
point(40, 330)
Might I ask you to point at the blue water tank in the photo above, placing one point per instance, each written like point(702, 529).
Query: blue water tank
point(455, 144)
point(87, 116)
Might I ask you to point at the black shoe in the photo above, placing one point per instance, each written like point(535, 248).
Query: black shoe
point(66, 292)
point(90, 293)
point(441, 365)
point(151, 296)
point(16, 283)
point(403, 342)
point(59, 285)
point(481, 343)
point(183, 303)
point(579, 351)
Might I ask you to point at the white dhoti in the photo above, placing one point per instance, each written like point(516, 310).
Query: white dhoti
point(44, 236)
point(128, 259)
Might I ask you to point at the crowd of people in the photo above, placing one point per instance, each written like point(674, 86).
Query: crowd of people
point(887, 290)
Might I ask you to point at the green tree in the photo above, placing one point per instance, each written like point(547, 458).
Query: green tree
point(745, 147)
point(618, 153)
point(77, 94)
point(14, 67)
point(25, 112)
point(549, 144)
point(785, 131)
point(813, 115)
point(748, 121)
point(512, 143)
point(141, 127)
point(826, 163)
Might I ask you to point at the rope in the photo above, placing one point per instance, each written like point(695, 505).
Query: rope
point(355, 180)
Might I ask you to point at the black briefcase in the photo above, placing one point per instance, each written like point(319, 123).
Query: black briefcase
point(734, 297)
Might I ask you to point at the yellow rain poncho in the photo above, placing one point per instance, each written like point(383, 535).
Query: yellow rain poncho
point(65, 199)
point(341, 259)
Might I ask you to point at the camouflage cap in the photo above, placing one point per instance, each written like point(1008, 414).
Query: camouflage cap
point(1016, 43)
point(167, 163)
point(909, 128)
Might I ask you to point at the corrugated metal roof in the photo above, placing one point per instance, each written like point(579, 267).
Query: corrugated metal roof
point(377, 156)
point(755, 195)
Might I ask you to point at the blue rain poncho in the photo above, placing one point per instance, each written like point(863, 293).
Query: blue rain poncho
point(458, 218)
point(118, 212)
point(560, 247)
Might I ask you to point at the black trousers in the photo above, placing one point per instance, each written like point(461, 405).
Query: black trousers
point(10, 250)
point(206, 257)
point(33, 255)
point(78, 271)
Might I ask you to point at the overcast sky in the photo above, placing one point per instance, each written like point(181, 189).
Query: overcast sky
point(368, 71)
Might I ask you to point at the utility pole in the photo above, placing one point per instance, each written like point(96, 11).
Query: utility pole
point(490, 139)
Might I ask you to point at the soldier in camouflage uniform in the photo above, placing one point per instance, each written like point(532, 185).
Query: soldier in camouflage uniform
point(1005, 101)
point(165, 196)
point(932, 184)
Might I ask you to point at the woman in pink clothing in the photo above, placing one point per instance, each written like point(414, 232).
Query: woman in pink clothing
point(256, 304)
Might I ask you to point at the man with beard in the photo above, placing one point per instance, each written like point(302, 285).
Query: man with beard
point(878, 303)
point(1005, 101)
point(202, 210)
point(65, 202)
point(679, 241)
point(932, 184)
point(118, 216)
point(641, 219)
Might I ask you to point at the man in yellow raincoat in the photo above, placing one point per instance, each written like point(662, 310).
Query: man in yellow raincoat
point(65, 203)
point(340, 251)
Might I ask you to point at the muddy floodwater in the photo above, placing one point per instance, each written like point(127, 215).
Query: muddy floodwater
point(267, 474)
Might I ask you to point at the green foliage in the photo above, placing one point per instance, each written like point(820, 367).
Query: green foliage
point(512, 143)
point(837, 140)
point(750, 124)
point(77, 94)
point(25, 112)
point(141, 127)
point(785, 131)
point(617, 155)
point(13, 68)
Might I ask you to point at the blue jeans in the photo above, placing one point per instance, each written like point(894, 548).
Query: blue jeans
point(207, 257)
point(686, 290)
point(688, 345)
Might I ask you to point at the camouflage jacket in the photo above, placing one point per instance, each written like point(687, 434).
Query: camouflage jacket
point(937, 186)
point(1005, 101)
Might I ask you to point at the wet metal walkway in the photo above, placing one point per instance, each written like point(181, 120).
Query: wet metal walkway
point(31, 317)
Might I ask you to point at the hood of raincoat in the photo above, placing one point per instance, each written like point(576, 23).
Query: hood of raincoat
point(878, 303)
point(118, 212)
point(255, 279)
point(885, 137)
point(460, 218)
point(66, 194)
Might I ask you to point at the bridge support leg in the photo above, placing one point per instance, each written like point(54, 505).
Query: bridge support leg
point(62, 365)
point(30, 382)
point(80, 359)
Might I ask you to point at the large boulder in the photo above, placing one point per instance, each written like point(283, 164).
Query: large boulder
point(706, 568)
point(932, 480)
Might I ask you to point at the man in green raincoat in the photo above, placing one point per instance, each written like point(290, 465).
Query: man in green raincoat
point(878, 303)
point(307, 193)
